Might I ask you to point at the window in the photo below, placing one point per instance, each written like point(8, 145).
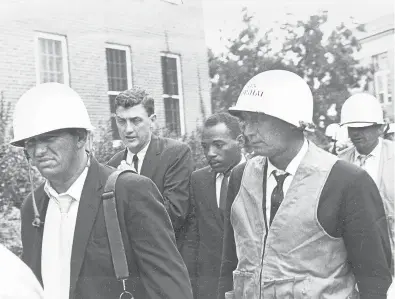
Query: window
point(174, 1)
point(51, 59)
point(172, 93)
point(119, 77)
point(382, 81)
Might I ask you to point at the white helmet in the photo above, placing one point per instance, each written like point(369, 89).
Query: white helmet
point(361, 110)
point(280, 94)
point(48, 107)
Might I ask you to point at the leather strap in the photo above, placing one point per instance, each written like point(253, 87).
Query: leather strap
point(112, 225)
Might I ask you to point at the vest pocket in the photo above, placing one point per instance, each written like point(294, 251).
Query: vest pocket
point(286, 288)
point(245, 285)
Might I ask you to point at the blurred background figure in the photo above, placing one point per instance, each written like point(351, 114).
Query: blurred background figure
point(363, 116)
point(17, 280)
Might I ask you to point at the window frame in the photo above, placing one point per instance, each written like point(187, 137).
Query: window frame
point(65, 54)
point(384, 74)
point(128, 66)
point(128, 77)
point(180, 95)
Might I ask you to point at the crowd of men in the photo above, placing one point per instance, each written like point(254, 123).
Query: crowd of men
point(271, 216)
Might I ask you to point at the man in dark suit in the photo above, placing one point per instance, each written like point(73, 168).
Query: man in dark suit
point(208, 192)
point(167, 162)
point(64, 235)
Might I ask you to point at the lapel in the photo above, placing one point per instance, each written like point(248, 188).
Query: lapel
point(42, 204)
point(151, 159)
point(88, 208)
point(385, 161)
point(209, 189)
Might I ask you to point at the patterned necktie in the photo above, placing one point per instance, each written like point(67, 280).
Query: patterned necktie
point(135, 161)
point(224, 190)
point(277, 194)
point(362, 159)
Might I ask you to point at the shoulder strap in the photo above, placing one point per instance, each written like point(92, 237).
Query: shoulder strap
point(112, 225)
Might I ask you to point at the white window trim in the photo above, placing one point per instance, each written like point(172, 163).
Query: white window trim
point(180, 90)
point(128, 66)
point(174, 1)
point(384, 74)
point(65, 55)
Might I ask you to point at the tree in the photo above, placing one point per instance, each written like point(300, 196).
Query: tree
point(247, 55)
point(327, 64)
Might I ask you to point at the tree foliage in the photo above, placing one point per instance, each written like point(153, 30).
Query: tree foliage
point(327, 63)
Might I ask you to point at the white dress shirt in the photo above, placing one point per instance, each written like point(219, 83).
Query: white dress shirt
point(17, 279)
point(140, 155)
point(372, 162)
point(219, 178)
point(58, 238)
point(271, 182)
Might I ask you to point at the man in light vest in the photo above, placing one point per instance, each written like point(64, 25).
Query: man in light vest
point(363, 116)
point(299, 222)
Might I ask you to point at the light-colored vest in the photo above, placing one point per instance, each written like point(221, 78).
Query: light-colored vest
point(300, 260)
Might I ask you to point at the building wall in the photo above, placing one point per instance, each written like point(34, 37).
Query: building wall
point(148, 27)
point(379, 37)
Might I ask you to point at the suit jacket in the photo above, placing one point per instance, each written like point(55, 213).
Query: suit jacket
point(210, 233)
point(168, 163)
point(385, 181)
point(157, 270)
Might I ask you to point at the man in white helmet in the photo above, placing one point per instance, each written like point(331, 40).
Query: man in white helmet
point(64, 236)
point(299, 222)
point(363, 116)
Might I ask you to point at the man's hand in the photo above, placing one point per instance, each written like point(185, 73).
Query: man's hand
point(125, 166)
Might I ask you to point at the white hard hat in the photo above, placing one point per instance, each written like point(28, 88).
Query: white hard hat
point(361, 110)
point(280, 94)
point(332, 131)
point(48, 107)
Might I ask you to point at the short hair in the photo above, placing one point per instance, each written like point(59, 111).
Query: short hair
point(133, 97)
point(231, 122)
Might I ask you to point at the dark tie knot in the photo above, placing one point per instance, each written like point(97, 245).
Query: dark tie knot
point(135, 158)
point(280, 176)
point(226, 174)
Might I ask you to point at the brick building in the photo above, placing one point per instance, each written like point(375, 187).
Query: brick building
point(377, 50)
point(100, 48)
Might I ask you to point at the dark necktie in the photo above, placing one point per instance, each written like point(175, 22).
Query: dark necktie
point(277, 194)
point(135, 161)
point(224, 191)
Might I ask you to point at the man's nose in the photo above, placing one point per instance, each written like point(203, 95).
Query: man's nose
point(211, 152)
point(129, 127)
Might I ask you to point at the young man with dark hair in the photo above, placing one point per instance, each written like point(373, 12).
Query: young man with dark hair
point(222, 148)
point(167, 162)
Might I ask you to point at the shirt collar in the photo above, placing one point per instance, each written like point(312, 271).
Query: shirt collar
point(295, 162)
point(74, 191)
point(140, 154)
point(374, 153)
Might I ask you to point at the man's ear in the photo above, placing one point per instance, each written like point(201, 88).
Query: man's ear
point(241, 140)
point(153, 117)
